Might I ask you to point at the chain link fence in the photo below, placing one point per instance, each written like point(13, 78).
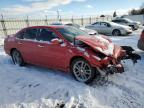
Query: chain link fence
point(11, 26)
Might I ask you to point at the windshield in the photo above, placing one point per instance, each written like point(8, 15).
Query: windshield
point(56, 23)
point(69, 33)
point(128, 20)
point(114, 24)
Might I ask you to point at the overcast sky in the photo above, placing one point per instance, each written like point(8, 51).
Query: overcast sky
point(67, 7)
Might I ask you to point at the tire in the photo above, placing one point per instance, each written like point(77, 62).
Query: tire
point(116, 32)
point(79, 67)
point(17, 58)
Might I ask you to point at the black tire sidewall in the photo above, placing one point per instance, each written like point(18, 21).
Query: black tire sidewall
point(22, 61)
point(116, 30)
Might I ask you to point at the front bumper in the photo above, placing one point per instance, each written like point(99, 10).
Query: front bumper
point(126, 32)
point(112, 64)
point(136, 26)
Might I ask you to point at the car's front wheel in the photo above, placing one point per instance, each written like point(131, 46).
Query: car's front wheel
point(82, 70)
point(116, 32)
point(17, 58)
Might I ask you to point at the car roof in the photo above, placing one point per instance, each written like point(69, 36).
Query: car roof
point(103, 21)
point(49, 26)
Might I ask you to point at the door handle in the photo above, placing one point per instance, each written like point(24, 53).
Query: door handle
point(20, 43)
point(40, 46)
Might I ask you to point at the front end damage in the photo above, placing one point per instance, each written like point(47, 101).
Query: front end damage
point(115, 62)
point(111, 55)
point(115, 65)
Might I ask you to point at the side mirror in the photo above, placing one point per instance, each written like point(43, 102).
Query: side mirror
point(56, 41)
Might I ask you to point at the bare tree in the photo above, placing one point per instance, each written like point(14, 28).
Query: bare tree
point(114, 14)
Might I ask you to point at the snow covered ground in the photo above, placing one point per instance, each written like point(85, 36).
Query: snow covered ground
point(36, 87)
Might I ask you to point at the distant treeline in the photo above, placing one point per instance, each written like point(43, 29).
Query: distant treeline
point(137, 11)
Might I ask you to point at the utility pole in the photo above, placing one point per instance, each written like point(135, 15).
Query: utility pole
point(3, 25)
point(58, 15)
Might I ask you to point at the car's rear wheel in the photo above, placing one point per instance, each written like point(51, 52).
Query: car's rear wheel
point(82, 70)
point(116, 32)
point(17, 58)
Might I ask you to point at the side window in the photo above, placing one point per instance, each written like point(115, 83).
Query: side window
point(125, 21)
point(117, 21)
point(97, 23)
point(46, 35)
point(30, 33)
point(103, 24)
point(20, 34)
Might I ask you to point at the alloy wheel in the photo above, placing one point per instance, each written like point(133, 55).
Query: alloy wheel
point(82, 71)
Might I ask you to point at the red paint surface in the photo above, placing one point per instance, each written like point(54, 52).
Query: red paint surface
point(57, 56)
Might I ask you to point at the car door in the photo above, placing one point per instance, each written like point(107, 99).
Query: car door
point(104, 28)
point(49, 54)
point(96, 26)
point(26, 44)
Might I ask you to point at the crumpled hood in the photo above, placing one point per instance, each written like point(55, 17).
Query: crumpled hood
point(98, 43)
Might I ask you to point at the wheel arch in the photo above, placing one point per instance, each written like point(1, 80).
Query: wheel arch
point(115, 30)
point(75, 57)
point(11, 50)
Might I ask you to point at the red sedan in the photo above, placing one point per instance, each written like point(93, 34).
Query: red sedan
point(67, 49)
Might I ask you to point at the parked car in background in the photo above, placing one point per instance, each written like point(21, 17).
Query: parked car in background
point(110, 28)
point(141, 41)
point(89, 31)
point(124, 21)
point(68, 49)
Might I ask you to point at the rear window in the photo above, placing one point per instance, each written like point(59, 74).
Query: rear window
point(116, 21)
point(30, 34)
point(20, 35)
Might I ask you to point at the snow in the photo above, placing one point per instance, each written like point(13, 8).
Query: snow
point(37, 87)
point(108, 51)
point(109, 46)
point(1, 40)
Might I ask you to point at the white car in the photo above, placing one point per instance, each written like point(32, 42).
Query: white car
point(110, 28)
point(89, 31)
point(124, 21)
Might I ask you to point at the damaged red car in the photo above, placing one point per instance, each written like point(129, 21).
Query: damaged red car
point(68, 49)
